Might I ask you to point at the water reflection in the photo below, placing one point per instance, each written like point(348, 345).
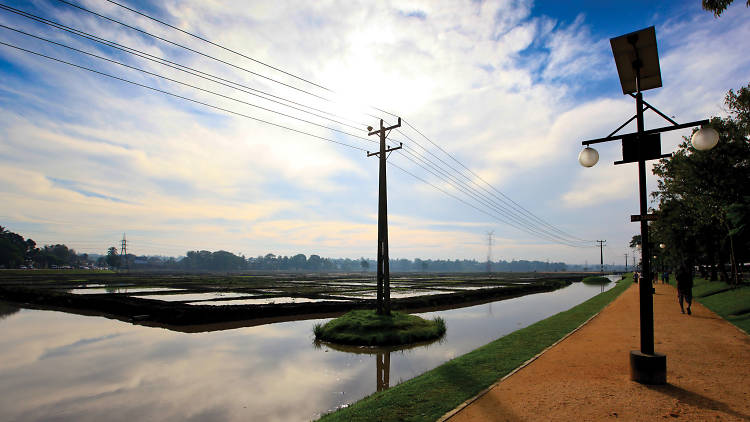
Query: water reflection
point(68, 367)
point(382, 357)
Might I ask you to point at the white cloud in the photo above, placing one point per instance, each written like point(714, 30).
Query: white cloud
point(491, 82)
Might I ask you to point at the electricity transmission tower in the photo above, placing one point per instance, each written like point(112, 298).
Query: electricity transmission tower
point(384, 276)
point(489, 251)
point(601, 254)
point(124, 252)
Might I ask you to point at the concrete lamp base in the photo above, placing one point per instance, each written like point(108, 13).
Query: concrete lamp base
point(648, 369)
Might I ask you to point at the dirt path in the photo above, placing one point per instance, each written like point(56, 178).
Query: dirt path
point(586, 377)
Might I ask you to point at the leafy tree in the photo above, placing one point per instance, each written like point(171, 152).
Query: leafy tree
point(701, 193)
point(12, 249)
point(314, 263)
point(635, 241)
point(717, 6)
point(113, 258)
point(298, 261)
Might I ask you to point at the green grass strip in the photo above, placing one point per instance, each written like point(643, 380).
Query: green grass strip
point(436, 392)
point(732, 304)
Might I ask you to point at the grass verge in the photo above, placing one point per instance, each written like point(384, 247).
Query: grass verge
point(434, 393)
point(731, 304)
point(367, 328)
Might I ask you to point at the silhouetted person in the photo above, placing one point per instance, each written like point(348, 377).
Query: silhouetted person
point(665, 277)
point(636, 276)
point(685, 287)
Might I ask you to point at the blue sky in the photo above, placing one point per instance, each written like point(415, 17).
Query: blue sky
point(508, 88)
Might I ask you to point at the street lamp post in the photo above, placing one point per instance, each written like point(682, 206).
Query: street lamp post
point(637, 60)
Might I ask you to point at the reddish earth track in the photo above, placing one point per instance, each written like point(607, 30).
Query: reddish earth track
point(586, 376)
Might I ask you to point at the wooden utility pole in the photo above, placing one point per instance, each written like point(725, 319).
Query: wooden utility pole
point(489, 252)
point(601, 254)
point(384, 277)
point(626, 262)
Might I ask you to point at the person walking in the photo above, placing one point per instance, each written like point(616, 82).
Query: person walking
point(665, 277)
point(685, 286)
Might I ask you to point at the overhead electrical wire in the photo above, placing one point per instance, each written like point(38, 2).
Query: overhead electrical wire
point(192, 50)
point(188, 85)
point(464, 187)
point(215, 44)
point(180, 67)
point(509, 218)
point(182, 97)
point(495, 217)
point(507, 206)
point(485, 200)
point(529, 213)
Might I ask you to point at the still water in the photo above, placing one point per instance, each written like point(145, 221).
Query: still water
point(66, 367)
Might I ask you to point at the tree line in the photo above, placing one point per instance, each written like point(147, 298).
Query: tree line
point(703, 200)
point(17, 252)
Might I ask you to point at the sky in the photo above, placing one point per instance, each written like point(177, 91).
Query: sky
point(265, 150)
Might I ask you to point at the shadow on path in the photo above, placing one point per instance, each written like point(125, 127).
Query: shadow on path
point(697, 400)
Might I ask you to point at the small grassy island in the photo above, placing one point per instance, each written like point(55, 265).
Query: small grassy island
point(367, 328)
point(596, 280)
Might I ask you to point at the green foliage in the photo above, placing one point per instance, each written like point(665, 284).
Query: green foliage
point(717, 6)
point(367, 328)
point(702, 194)
point(113, 259)
point(434, 393)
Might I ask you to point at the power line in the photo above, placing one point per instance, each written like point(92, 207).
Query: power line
point(193, 50)
point(454, 196)
point(214, 44)
point(188, 85)
point(224, 48)
point(177, 66)
point(487, 183)
point(183, 97)
point(491, 214)
point(503, 201)
point(509, 213)
point(512, 214)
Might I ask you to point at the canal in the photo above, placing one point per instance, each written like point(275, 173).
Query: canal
point(68, 367)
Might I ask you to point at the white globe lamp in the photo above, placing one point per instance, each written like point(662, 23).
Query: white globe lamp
point(588, 157)
point(705, 139)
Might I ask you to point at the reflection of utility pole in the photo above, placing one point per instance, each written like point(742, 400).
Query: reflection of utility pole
point(124, 252)
point(601, 254)
point(489, 251)
point(384, 278)
point(383, 368)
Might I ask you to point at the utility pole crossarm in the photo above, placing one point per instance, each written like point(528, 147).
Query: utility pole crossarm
point(370, 154)
point(383, 129)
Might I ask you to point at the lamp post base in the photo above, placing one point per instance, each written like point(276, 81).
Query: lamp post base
point(648, 369)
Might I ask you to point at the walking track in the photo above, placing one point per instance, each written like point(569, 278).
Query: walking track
point(586, 376)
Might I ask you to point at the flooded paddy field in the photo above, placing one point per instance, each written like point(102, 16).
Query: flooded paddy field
point(73, 367)
point(180, 299)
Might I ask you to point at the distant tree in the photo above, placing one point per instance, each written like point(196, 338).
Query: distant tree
point(717, 6)
point(298, 261)
point(365, 264)
point(113, 258)
point(314, 263)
